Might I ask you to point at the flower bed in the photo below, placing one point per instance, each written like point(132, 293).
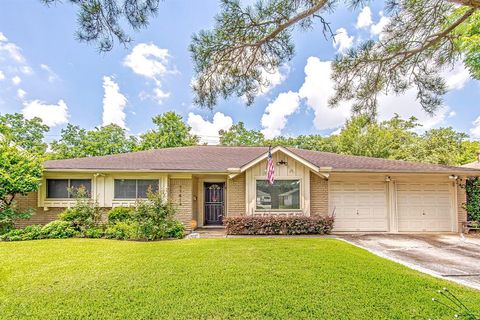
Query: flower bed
point(278, 225)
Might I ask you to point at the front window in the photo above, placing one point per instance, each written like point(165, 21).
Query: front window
point(282, 195)
point(133, 188)
point(60, 188)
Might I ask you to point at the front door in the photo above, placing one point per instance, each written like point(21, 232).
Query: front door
point(214, 202)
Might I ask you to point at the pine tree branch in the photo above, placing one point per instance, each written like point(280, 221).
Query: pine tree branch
point(305, 14)
point(431, 41)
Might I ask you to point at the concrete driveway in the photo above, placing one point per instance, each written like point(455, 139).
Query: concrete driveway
point(450, 257)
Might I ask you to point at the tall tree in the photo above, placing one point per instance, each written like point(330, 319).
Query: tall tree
point(442, 146)
point(238, 135)
point(26, 134)
point(170, 132)
point(391, 139)
point(20, 173)
point(76, 142)
point(310, 142)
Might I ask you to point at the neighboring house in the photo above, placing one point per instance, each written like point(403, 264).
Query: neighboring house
point(207, 183)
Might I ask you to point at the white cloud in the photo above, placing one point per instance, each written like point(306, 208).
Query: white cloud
point(317, 89)
point(160, 95)
point(406, 105)
point(52, 76)
point(274, 78)
point(275, 117)
point(113, 103)
point(364, 19)
point(457, 77)
point(2, 75)
point(16, 80)
point(21, 93)
point(26, 70)
point(206, 130)
point(152, 62)
point(148, 60)
point(475, 131)
point(51, 114)
point(10, 50)
point(342, 42)
point(378, 27)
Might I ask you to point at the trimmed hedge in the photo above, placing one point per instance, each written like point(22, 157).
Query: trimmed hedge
point(250, 225)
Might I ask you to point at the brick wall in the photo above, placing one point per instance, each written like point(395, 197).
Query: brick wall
point(318, 195)
point(181, 197)
point(461, 200)
point(39, 216)
point(236, 205)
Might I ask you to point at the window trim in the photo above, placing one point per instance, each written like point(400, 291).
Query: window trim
point(300, 180)
point(69, 198)
point(136, 188)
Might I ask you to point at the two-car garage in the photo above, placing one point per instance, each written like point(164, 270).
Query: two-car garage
point(389, 204)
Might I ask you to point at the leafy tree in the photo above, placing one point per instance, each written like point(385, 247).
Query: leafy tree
point(389, 139)
point(76, 142)
point(20, 173)
point(238, 135)
point(26, 134)
point(467, 40)
point(171, 132)
point(100, 20)
point(309, 142)
point(470, 151)
point(109, 139)
point(472, 188)
point(442, 146)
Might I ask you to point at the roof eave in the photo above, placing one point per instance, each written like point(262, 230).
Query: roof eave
point(460, 172)
point(133, 170)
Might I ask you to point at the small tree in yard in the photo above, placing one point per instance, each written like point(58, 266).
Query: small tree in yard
point(20, 173)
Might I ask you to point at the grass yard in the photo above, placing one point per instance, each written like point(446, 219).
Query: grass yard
point(274, 278)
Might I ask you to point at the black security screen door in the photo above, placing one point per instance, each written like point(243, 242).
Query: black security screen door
point(214, 203)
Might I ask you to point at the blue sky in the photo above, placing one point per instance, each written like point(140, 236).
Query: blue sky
point(45, 72)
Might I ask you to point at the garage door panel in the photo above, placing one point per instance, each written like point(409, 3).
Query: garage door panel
point(424, 207)
point(359, 206)
point(360, 225)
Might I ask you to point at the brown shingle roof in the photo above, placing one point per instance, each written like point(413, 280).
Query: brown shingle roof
point(198, 158)
point(340, 162)
point(219, 159)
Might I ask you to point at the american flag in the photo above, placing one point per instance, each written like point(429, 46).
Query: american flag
point(270, 168)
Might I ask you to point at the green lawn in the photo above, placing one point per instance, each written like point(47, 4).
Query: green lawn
point(275, 278)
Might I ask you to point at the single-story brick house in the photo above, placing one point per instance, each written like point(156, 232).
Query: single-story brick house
point(207, 183)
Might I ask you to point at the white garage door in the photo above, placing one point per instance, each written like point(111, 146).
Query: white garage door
point(424, 206)
point(359, 206)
